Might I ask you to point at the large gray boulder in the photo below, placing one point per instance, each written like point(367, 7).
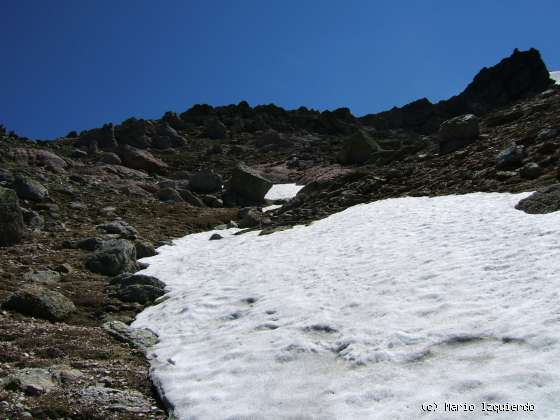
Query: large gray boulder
point(40, 302)
point(458, 132)
point(249, 183)
point(11, 219)
point(113, 257)
point(543, 201)
point(205, 181)
point(29, 189)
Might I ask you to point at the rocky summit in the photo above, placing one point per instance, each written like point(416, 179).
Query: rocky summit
point(76, 213)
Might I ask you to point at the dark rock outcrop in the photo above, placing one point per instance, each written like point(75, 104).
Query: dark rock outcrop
point(11, 219)
point(358, 148)
point(457, 133)
point(516, 77)
point(103, 137)
point(215, 129)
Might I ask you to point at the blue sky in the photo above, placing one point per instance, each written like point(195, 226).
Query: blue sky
point(71, 65)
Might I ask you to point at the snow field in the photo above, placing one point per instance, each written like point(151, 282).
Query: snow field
point(367, 314)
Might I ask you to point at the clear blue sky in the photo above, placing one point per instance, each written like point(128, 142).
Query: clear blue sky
point(72, 64)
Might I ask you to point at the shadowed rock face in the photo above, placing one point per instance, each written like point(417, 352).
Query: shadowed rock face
point(11, 219)
point(516, 77)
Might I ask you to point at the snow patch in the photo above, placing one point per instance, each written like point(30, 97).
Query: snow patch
point(366, 314)
point(283, 191)
point(555, 75)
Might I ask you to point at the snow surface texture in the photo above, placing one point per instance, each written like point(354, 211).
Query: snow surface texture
point(283, 191)
point(366, 314)
point(555, 75)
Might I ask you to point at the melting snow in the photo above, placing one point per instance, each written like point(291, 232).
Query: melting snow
point(367, 314)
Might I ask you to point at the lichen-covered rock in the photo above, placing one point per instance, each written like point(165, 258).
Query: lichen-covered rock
point(40, 302)
point(113, 257)
point(142, 338)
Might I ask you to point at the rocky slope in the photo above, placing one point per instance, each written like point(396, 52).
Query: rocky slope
point(77, 213)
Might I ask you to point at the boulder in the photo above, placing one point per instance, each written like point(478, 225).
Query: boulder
point(530, 170)
point(131, 403)
point(511, 157)
point(137, 288)
point(11, 219)
point(212, 201)
point(164, 130)
point(546, 200)
point(252, 217)
point(29, 189)
point(137, 133)
point(144, 249)
point(216, 237)
point(40, 302)
point(215, 129)
point(142, 338)
point(458, 132)
point(39, 157)
point(110, 159)
point(32, 219)
point(87, 244)
point(358, 148)
point(32, 381)
point(141, 159)
point(191, 198)
point(103, 137)
point(169, 195)
point(42, 277)
point(249, 183)
point(113, 257)
point(118, 227)
point(206, 181)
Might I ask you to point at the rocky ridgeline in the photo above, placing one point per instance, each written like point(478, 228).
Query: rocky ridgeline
point(77, 213)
